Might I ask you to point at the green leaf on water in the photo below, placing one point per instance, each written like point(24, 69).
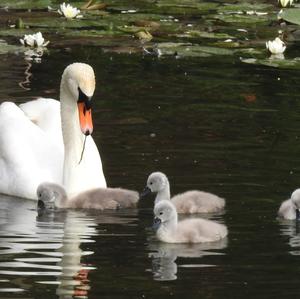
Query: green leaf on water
point(6, 48)
point(191, 50)
point(291, 15)
point(274, 62)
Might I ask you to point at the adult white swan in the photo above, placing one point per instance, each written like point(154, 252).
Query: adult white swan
point(43, 140)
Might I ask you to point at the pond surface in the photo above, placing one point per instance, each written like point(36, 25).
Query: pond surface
point(210, 123)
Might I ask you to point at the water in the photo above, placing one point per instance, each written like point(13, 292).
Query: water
point(209, 123)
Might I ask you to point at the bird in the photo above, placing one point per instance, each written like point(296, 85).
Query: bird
point(51, 196)
point(189, 202)
point(195, 230)
point(289, 209)
point(47, 140)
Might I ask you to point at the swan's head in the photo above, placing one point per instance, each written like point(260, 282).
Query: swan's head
point(78, 80)
point(295, 197)
point(50, 196)
point(164, 212)
point(156, 182)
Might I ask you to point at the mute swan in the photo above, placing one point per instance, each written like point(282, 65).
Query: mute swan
point(51, 196)
point(194, 230)
point(289, 209)
point(42, 140)
point(188, 202)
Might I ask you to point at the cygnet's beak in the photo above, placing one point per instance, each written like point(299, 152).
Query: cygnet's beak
point(85, 113)
point(297, 214)
point(156, 223)
point(40, 205)
point(145, 192)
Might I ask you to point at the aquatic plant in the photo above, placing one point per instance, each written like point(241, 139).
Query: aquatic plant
point(35, 40)
point(277, 46)
point(69, 12)
point(285, 3)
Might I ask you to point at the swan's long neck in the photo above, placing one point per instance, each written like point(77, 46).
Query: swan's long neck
point(72, 136)
point(163, 193)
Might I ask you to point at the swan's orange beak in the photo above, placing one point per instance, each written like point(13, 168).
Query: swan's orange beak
point(85, 118)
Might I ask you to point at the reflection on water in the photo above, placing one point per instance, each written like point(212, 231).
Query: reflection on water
point(47, 247)
point(164, 256)
point(291, 228)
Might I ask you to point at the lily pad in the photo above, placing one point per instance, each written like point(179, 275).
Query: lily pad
point(204, 34)
point(190, 50)
point(291, 15)
point(273, 62)
point(184, 7)
point(244, 7)
point(26, 4)
point(6, 48)
point(243, 18)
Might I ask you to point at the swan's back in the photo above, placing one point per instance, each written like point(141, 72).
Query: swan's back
point(104, 198)
point(287, 210)
point(45, 113)
point(23, 148)
point(197, 202)
point(199, 230)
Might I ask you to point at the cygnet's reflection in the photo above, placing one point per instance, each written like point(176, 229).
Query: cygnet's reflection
point(164, 255)
point(291, 228)
point(43, 248)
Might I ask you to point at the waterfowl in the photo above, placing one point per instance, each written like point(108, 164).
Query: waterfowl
point(188, 202)
point(51, 196)
point(194, 230)
point(289, 209)
point(43, 140)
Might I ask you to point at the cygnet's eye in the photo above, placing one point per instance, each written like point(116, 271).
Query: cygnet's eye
point(160, 213)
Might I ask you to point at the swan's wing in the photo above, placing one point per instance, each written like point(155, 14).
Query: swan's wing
point(27, 155)
point(45, 113)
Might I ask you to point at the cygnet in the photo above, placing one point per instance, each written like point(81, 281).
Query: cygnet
point(188, 202)
point(289, 208)
point(51, 196)
point(194, 230)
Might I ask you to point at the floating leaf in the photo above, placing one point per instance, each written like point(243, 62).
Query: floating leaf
point(277, 63)
point(190, 50)
point(291, 15)
point(204, 34)
point(244, 7)
point(25, 4)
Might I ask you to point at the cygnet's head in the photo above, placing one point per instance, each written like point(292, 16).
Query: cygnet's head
point(78, 80)
point(295, 197)
point(156, 182)
point(164, 211)
point(50, 196)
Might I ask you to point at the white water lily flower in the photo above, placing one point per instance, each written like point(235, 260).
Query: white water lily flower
point(34, 40)
point(69, 11)
point(277, 46)
point(285, 3)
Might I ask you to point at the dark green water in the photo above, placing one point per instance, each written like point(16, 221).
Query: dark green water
point(213, 124)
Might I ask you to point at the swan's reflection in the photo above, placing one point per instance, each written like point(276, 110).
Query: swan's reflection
point(164, 255)
point(46, 247)
point(291, 228)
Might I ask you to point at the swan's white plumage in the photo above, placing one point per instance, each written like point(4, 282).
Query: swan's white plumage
point(194, 230)
point(33, 148)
